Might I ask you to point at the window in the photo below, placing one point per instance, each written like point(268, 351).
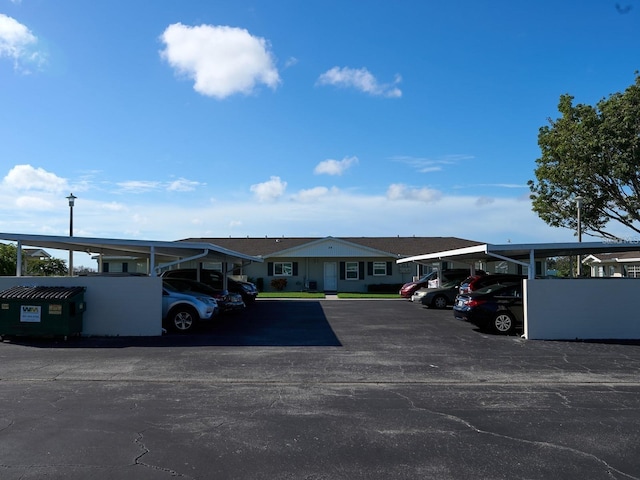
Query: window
point(379, 268)
point(283, 269)
point(633, 271)
point(351, 270)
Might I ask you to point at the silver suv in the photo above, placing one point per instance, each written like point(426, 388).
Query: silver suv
point(181, 311)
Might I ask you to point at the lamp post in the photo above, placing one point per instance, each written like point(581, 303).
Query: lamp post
point(72, 199)
point(579, 207)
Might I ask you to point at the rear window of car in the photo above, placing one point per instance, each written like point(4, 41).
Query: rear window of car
point(497, 287)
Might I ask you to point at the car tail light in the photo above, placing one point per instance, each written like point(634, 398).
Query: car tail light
point(475, 302)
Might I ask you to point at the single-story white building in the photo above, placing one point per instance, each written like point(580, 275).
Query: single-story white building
point(618, 264)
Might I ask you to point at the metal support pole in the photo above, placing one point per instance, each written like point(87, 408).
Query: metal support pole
point(579, 206)
point(71, 199)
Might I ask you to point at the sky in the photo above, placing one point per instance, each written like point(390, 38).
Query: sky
point(176, 119)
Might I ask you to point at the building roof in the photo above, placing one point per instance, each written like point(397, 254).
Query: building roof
point(398, 247)
point(619, 257)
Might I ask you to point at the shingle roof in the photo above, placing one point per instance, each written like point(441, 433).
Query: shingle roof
point(395, 246)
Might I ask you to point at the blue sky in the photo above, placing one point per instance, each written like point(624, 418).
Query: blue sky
point(175, 119)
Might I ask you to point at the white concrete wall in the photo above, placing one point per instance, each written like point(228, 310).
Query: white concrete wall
point(570, 309)
point(116, 306)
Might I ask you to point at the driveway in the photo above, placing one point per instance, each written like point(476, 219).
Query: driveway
point(347, 389)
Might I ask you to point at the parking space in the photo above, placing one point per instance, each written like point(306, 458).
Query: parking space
point(360, 389)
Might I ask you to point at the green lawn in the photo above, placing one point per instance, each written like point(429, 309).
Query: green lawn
point(368, 295)
point(290, 295)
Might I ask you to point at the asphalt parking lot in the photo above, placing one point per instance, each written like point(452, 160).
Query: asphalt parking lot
point(321, 390)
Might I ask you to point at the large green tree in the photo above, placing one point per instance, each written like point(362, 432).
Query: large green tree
point(39, 267)
point(7, 259)
point(593, 153)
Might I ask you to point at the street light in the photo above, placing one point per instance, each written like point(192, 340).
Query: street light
point(579, 207)
point(72, 199)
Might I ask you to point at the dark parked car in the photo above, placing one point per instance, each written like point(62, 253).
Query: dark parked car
point(475, 282)
point(409, 288)
point(213, 278)
point(439, 297)
point(495, 307)
point(226, 300)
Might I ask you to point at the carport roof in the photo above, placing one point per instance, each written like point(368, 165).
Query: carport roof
point(525, 251)
point(143, 248)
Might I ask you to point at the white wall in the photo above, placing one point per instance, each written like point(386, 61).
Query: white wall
point(115, 306)
point(570, 309)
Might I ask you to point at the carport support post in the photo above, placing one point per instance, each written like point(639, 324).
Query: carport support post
point(19, 260)
point(531, 274)
point(225, 269)
point(152, 258)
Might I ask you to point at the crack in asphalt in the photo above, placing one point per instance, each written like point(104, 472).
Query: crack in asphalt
point(138, 460)
point(537, 443)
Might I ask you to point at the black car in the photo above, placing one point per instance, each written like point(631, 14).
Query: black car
point(441, 297)
point(213, 278)
point(497, 307)
point(227, 301)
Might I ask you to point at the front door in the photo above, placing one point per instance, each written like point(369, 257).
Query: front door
point(330, 276)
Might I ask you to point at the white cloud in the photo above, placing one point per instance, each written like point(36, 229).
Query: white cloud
point(313, 194)
point(399, 191)
point(32, 203)
point(221, 60)
point(144, 186)
point(19, 44)
point(428, 165)
point(482, 201)
point(360, 79)
point(291, 61)
point(335, 167)
point(183, 185)
point(26, 177)
point(270, 190)
point(113, 207)
point(139, 186)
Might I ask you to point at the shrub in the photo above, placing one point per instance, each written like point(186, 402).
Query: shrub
point(279, 283)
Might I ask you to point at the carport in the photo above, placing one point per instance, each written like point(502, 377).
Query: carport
point(119, 305)
point(566, 309)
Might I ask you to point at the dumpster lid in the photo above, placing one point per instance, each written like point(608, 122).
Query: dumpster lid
point(40, 293)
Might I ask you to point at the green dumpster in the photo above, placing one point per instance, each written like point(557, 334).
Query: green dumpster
point(42, 311)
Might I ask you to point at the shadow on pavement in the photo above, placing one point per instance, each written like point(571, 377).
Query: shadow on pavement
point(265, 323)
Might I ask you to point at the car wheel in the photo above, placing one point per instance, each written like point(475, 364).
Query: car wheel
point(182, 319)
point(439, 302)
point(503, 323)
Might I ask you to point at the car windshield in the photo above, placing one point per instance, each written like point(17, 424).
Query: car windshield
point(185, 286)
point(428, 276)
